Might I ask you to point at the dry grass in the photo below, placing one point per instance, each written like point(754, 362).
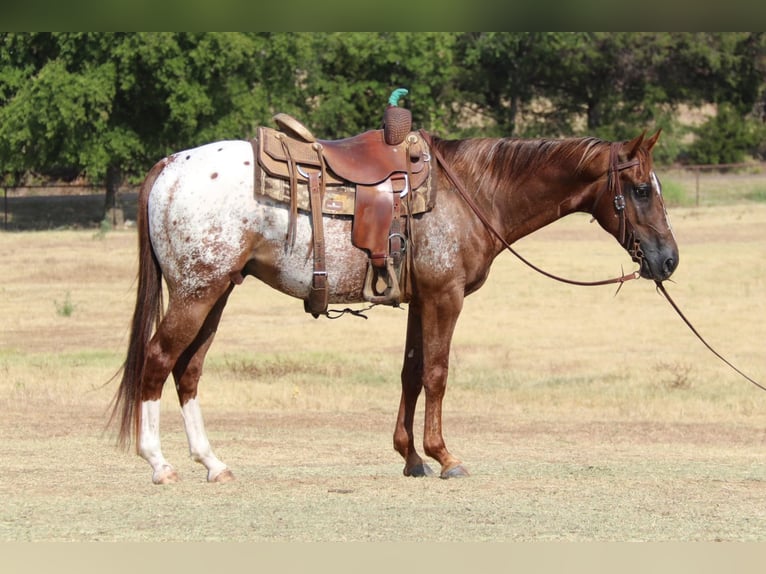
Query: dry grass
point(521, 334)
point(521, 341)
point(582, 415)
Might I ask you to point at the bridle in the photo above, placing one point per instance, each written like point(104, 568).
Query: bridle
point(625, 232)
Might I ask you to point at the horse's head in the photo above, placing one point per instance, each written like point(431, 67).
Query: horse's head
point(632, 209)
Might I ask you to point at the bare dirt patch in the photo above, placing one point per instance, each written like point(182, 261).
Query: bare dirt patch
point(333, 477)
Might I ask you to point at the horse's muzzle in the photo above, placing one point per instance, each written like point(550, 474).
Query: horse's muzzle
point(659, 265)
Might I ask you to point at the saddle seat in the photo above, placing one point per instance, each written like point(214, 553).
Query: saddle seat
point(381, 176)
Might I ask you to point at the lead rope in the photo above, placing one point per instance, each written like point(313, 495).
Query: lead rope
point(661, 289)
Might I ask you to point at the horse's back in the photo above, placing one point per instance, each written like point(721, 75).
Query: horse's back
point(196, 178)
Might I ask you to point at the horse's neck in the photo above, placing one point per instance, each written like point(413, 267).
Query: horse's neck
point(528, 197)
point(539, 202)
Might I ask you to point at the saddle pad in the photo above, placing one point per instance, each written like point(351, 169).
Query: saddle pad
point(338, 199)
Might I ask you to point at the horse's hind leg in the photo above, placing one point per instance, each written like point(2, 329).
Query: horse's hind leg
point(187, 372)
point(149, 443)
point(177, 331)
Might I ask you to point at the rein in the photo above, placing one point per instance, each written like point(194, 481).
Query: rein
point(612, 184)
point(661, 289)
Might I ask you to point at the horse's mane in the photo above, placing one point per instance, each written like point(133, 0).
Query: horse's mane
point(489, 161)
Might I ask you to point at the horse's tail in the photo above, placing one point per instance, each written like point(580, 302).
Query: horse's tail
point(146, 317)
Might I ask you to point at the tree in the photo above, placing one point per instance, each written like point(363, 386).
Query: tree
point(610, 84)
point(504, 73)
point(602, 77)
point(560, 83)
point(51, 117)
point(349, 81)
point(727, 70)
point(107, 106)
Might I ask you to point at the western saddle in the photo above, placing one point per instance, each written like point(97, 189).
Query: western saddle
point(378, 178)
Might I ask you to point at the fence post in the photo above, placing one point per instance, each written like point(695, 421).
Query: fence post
point(697, 187)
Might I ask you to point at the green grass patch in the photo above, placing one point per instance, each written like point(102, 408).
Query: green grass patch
point(675, 193)
point(66, 307)
point(68, 378)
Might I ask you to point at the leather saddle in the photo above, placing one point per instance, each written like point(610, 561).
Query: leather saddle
point(375, 182)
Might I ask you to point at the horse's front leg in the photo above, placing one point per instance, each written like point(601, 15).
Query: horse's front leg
point(429, 335)
point(412, 385)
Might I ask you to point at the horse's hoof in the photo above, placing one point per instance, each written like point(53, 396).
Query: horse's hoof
point(419, 470)
point(167, 476)
point(458, 471)
point(224, 476)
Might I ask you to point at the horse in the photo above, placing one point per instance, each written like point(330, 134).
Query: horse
point(202, 230)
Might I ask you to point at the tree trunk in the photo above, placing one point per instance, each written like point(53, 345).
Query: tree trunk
point(114, 213)
point(594, 114)
point(513, 112)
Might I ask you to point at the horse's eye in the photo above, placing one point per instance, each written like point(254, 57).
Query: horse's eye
point(641, 191)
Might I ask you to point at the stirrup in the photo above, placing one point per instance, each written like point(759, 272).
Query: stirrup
point(392, 294)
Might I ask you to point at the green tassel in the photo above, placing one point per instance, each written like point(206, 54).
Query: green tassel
point(395, 95)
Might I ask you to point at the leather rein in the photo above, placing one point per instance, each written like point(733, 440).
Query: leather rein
point(625, 237)
point(613, 185)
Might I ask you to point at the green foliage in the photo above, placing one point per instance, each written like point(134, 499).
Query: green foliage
point(354, 73)
point(104, 227)
point(94, 101)
point(728, 137)
point(54, 118)
point(612, 85)
point(503, 74)
point(106, 106)
point(758, 194)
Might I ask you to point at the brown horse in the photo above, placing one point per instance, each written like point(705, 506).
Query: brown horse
point(202, 229)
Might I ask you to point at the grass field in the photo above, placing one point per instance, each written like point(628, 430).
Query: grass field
point(582, 416)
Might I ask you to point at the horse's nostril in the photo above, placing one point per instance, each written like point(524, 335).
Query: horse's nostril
point(670, 265)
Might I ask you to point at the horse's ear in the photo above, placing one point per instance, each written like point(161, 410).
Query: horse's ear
point(632, 146)
point(653, 140)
